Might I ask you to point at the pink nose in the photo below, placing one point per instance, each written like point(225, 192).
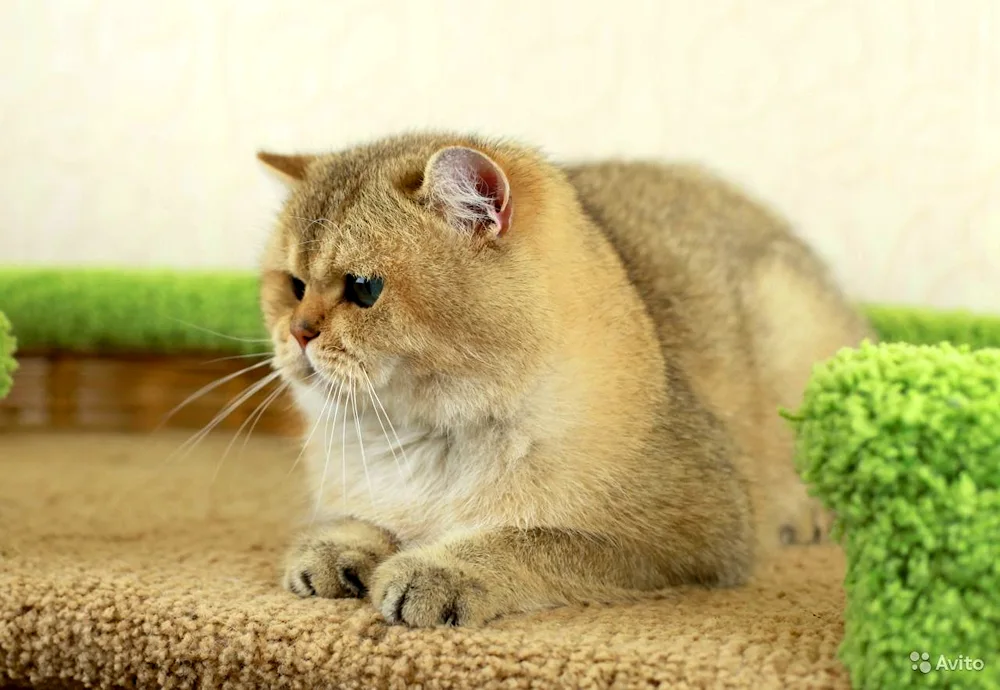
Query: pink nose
point(303, 332)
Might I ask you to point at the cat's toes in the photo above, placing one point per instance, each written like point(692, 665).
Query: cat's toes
point(789, 534)
point(412, 590)
point(811, 526)
point(324, 570)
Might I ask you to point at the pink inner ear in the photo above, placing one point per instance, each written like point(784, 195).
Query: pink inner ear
point(493, 187)
point(503, 217)
point(472, 189)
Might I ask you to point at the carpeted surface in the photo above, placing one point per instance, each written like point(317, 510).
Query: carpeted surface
point(120, 569)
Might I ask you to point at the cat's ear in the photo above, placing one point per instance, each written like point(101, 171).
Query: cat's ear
point(293, 168)
point(469, 189)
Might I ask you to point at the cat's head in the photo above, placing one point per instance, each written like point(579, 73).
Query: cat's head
point(418, 263)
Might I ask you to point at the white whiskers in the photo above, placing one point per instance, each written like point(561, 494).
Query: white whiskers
point(251, 419)
point(246, 356)
point(326, 401)
point(327, 404)
point(343, 457)
point(228, 410)
point(261, 409)
point(361, 443)
point(326, 438)
point(218, 334)
point(388, 420)
point(210, 387)
point(373, 396)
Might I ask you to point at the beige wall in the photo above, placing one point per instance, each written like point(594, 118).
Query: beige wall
point(128, 128)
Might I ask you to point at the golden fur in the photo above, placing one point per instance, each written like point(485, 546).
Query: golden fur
point(568, 389)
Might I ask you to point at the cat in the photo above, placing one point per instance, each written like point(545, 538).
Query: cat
point(531, 385)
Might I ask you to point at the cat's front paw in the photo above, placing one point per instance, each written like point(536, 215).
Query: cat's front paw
point(337, 562)
point(421, 591)
point(323, 570)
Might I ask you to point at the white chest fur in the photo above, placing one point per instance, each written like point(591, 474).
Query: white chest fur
point(415, 481)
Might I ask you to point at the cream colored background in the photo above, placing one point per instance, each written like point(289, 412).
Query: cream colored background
point(128, 127)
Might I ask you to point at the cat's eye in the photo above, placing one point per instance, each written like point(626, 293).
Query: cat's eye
point(298, 288)
point(362, 291)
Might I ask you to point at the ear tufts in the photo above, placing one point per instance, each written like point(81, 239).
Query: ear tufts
point(470, 190)
point(291, 166)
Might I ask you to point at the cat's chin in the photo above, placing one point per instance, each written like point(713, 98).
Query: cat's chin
point(294, 369)
point(333, 367)
point(321, 370)
point(336, 369)
point(299, 373)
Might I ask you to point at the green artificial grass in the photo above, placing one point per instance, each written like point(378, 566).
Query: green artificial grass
point(150, 311)
point(925, 326)
point(164, 311)
point(903, 443)
point(7, 364)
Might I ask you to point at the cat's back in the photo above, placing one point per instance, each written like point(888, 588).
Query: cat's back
point(674, 224)
point(696, 246)
point(732, 290)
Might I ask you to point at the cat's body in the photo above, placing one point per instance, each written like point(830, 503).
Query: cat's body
point(584, 371)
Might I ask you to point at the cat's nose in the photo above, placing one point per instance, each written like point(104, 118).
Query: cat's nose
point(303, 331)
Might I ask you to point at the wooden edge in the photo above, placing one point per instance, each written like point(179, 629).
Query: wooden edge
point(137, 391)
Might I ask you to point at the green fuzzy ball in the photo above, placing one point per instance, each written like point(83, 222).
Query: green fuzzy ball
point(7, 364)
point(903, 443)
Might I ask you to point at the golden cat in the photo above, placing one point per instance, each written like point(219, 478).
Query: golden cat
point(531, 385)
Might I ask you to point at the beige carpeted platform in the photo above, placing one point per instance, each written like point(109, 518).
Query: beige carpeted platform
point(119, 569)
